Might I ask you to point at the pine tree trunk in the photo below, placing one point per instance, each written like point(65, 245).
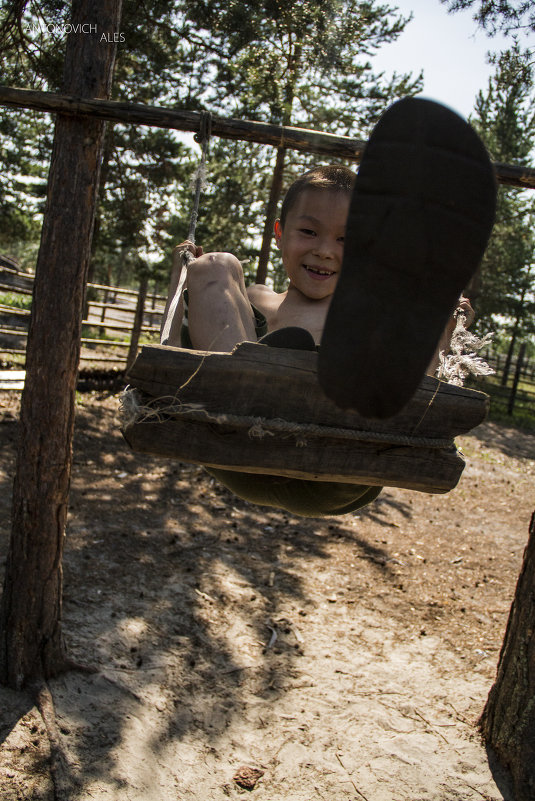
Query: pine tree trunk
point(138, 321)
point(271, 216)
point(508, 720)
point(509, 357)
point(31, 643)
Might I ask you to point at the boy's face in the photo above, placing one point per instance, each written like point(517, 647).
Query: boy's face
point(312, 241)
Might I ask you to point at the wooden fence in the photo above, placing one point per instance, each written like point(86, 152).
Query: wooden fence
point(109, 326)
point(518, 393)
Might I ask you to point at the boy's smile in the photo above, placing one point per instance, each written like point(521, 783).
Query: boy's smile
point(312, 241)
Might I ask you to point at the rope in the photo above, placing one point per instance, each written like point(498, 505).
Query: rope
point(462, 360)
point(198, 184)
point(135, 410)
point(203, 138)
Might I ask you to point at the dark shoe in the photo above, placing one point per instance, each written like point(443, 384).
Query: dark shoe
point(291, 337)
point(419, 221)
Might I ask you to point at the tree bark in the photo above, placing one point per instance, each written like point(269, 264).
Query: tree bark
point(508, 720)
point(509, 357)
point(31, 642)
point(271, 215)
point(138, 321)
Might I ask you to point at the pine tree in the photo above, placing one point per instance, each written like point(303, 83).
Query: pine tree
point(507, 16)
point(305, 64)
point(142, 167)
point(505, 117)
point(508, 719)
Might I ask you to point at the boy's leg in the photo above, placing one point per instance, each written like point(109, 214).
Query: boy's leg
point(419, 221)
point(174, 307)
point(219, 312)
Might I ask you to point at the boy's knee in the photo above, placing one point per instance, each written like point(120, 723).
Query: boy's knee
point(214, 268)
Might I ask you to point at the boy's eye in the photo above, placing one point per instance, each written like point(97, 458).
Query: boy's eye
point(308, 231)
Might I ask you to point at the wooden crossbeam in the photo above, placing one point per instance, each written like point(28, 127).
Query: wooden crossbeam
point(286, 136)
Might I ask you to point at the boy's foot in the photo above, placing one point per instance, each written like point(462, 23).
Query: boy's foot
point(419, 221)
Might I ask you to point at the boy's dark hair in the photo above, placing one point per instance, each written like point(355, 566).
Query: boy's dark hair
point(334, 178)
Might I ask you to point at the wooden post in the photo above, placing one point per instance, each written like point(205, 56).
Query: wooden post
point(102, 328)
point(31, 643)
point(271, 214)
point(138, 321)
point(508, 720)
point(516, 379)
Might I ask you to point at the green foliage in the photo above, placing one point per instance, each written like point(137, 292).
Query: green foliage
point(15, 300)
point(32, 43)
point(143, 172)
point(507, 16)
point(25, 139)
point(303, 63)
point(505, 117)
point(281, 61)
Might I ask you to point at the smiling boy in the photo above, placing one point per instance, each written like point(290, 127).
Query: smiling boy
point(221, 311)
point(310, 236)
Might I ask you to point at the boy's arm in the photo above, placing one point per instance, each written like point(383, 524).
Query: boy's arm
point(172, 316)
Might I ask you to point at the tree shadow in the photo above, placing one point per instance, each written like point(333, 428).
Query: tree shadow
point(14, 705)
point(506, 439)
point(158, 557)
point(501, 775)
point(378, 512)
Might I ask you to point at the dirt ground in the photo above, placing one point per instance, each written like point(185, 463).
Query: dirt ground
point(334, 659)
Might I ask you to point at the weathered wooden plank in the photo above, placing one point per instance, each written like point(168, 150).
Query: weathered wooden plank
point(6, 261)
point(274, 382)
point(431, 470)
point(302, 139)
point(241, 401)
point(183, 120)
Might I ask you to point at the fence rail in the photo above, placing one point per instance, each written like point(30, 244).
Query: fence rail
point(109, 326)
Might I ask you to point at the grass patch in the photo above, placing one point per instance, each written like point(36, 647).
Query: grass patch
point(95, 331)
point(15, 300)
point(523, 415)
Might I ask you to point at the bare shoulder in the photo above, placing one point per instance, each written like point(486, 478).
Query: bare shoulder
point(263, 297)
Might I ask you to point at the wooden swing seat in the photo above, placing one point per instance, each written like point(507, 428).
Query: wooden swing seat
point(260, 409)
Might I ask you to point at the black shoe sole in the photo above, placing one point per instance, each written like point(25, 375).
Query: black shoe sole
point(419, 221)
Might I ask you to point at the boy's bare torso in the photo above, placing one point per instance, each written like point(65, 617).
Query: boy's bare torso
point(290, 308)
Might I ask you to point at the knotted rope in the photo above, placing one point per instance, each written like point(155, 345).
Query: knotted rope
point(462, 360)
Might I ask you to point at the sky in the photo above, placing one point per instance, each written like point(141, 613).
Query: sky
point(448, 47)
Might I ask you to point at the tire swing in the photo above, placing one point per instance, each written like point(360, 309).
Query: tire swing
point(260, 409)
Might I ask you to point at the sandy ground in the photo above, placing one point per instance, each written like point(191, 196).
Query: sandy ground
point(343, 658)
